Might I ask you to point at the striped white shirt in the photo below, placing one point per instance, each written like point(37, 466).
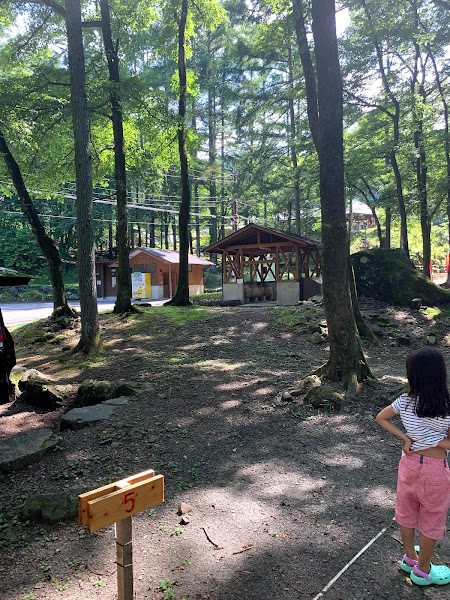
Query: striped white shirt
point(425, 432)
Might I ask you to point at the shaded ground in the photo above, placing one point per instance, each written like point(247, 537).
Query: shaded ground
point(287, 496)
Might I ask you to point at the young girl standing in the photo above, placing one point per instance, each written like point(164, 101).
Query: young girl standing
point(423, 484)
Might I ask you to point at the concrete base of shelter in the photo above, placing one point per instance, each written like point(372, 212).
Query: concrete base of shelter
point(233, 291)
point(288, 293)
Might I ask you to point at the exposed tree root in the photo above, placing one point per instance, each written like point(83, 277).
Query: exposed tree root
point(64, 311)
point(349, 378)
point(402, 389)
point(89, 349)
point(363, 329)
point(178, 302)
point(128, 309)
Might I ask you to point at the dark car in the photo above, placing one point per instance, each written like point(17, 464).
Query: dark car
point(7, 362)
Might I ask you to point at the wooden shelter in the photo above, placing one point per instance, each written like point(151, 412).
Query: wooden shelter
point(260, 263)
point(163, 267)
point(10, 278)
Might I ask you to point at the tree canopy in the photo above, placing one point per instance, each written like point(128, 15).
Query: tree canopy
point(248, 141)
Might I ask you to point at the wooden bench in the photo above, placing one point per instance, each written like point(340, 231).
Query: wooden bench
point(257, 293)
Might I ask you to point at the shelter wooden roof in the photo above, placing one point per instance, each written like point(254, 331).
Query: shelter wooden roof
point(256, 235)
point(168, 256)
point(8, 277)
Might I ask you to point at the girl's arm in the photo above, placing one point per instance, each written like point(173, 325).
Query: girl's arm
point(384, 418)
point(445, 443)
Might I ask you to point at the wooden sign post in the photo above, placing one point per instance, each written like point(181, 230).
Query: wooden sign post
point(116, 503)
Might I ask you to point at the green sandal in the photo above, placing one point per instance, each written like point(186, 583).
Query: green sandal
point(438, 575)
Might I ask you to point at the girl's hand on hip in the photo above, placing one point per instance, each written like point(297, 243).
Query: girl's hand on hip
point(407, 443)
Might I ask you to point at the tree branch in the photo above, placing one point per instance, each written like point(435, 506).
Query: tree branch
point(60, 10)
point(308, 70)
point(443, 4)
point(363, 102)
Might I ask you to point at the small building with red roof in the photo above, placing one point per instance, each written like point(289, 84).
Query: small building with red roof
point(163, 267)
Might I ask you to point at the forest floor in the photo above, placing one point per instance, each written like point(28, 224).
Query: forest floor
point(282, 496)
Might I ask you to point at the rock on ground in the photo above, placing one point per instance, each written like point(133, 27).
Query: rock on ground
point(389, 275)
point(25, 448)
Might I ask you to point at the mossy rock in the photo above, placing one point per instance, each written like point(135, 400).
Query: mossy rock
point(92, 392)
point(390, 276)
point(51, 508)
point(430, 339)
point(129, 388)
point(38, 391)
point(315, 338)
point(307, 383)
point(324, 397)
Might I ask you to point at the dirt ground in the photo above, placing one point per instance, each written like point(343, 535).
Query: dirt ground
point(282, 496)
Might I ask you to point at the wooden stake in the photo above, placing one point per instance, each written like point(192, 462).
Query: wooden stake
point(124, 549)
point(116, 503)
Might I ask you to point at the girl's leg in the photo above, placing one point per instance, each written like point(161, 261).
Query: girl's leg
point(426, 552)
point(408, 536)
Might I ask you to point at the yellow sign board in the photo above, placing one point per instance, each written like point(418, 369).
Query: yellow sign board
point(141, 285)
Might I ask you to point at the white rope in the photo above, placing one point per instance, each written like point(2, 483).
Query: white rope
point(336, 577)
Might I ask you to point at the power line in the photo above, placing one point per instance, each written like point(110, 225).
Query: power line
point(157, 224)
point(144, 207)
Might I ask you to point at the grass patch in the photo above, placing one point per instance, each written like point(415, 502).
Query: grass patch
point(431, 311)
point(27, 334)
point(180, 315)
point(296, 317)
point(174, 315)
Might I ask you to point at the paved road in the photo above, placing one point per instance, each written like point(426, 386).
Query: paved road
point(20, 313)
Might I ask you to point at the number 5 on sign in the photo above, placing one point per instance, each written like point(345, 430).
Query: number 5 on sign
point(117, 501)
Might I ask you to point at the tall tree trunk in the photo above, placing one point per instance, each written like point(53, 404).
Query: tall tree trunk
point(419, 144)
point(152, 235)
point(90, 340)
point(298, 228)
point(181, 297)
point(212, 154)
point(110, 236)
point(45, 242)
point(197, 220)
point(222, 159)
point(363, 329)
point(346, 362)
point(372, 208)
point(387, 227)
point(395, 118)
point(123, 300)
point(446, 146)
point(425, 219)
point(196, 186)
point(308, 70)
point(174, 235)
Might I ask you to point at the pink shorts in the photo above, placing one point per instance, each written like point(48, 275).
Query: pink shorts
point(423, 494)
